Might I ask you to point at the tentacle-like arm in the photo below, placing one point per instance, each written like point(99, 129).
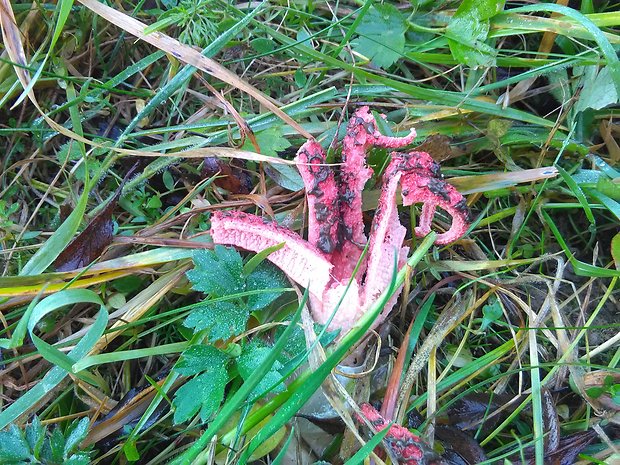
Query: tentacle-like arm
point(361, 135)
point(402, 444)
point(301, 261)
point(421, 181)
point(322, 196)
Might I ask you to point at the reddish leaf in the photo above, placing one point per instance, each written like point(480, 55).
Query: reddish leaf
point(90, 243)
point(231, 178)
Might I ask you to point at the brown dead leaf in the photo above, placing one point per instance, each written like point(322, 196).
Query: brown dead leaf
point(439, 147)
point(90, 243)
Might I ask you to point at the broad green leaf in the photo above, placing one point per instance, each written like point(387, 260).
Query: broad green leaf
point(78, 459)
point(262, 45)
point(382, 35)
point(599, 90)
point(223, 319)
point(491, 312)
point(285, 176)
point(218, 272)
point(57, 445)
point(203, 393)
point(271, 141)
point(253, 355)
point(608, 187)
point(265, 276)
point(200, 358)
point(468, 30)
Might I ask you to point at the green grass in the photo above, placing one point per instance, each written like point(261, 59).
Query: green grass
point(523, 309)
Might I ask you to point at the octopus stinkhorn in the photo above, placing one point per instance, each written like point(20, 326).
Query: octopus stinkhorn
point(326, 261)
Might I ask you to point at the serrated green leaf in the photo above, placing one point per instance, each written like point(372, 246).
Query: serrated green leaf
point(75, 435)
point(78, 459)
point(218, 272)
point(203, 393)
point(35, 435)
point(265, 276)
point(200, 358)
point(13, 446)
point(235, 400)
point(468, 31)
point(253, 355)
point(271, 141)
point(57, 445)
point(223, 319)
point(381, 35)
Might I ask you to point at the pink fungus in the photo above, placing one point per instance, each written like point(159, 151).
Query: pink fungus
point(325, 262)
point(402, 444)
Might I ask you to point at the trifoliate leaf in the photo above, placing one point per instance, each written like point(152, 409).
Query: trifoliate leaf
point(252, 356)
point(468, 30)
point(265, 276)
point(492, 312)
point(218, 272)
point(381, 35)
point(201, 358)
point(223, 319)
point(203, 393)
